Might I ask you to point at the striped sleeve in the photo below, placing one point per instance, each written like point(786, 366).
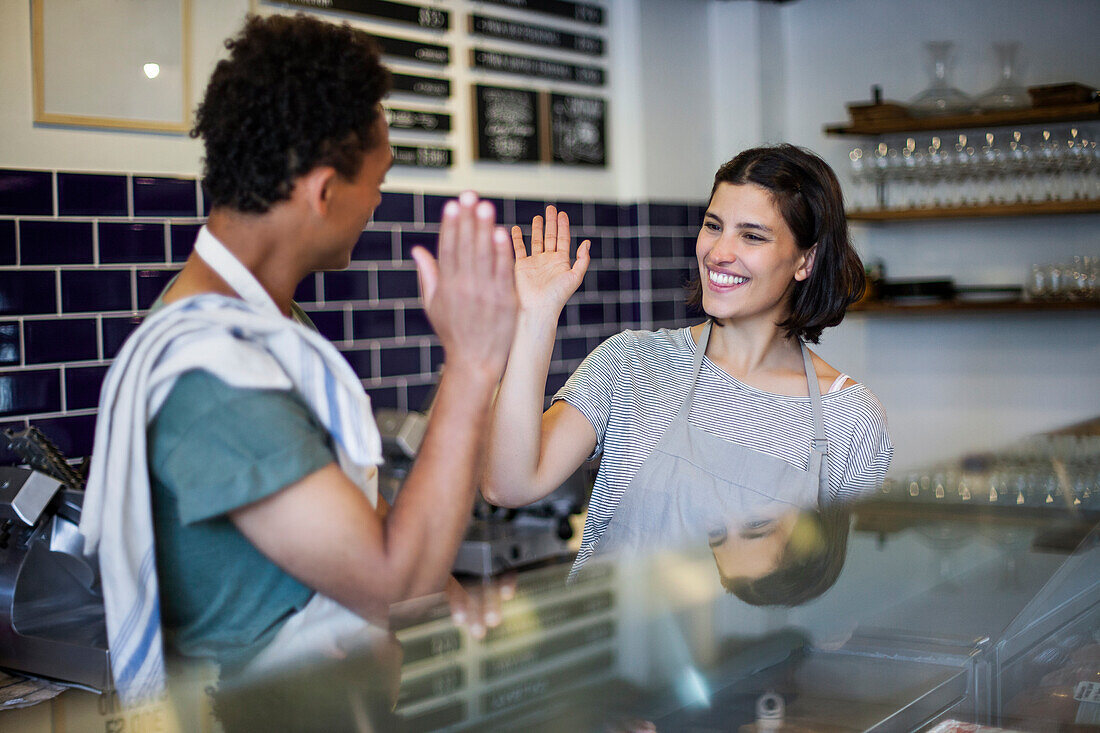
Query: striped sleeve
point(591, 388)
point(870, 449)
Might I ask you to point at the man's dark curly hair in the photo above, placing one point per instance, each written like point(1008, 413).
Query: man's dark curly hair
point(295, 93)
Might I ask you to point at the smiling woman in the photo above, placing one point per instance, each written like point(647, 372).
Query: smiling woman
point(703, 430)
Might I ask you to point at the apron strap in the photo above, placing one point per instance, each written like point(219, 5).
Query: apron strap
point(696, 365)
point(819, 446)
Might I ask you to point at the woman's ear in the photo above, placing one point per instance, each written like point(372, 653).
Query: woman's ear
point(807, 264)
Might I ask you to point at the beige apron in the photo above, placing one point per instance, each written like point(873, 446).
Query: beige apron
point(695, 484)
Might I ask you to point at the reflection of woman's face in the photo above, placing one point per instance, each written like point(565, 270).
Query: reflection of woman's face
point(753, 550)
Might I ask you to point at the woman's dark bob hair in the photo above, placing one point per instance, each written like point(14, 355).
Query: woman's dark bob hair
point(807, 194)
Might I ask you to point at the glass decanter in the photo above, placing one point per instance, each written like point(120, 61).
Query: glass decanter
point(1008, 92)
point(940, 98)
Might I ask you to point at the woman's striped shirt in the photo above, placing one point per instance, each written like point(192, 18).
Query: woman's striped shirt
point(632, 385)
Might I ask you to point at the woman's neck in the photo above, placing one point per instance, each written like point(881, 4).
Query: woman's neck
point(755, 348)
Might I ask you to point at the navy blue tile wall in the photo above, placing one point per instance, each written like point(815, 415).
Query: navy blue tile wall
point(150, 284)
point(183, 240)
point(7, 242)
point(55, 243)
point(26, 192)
point(82, 385)
point(60, 341)
point(56, 345)
point(27, 291)
point(10, 343)
point(165, 197)
point(395, 207)
point(398, 284)
point(130, 242)
point(29, 391)
point(90, 291)
point(82, 194)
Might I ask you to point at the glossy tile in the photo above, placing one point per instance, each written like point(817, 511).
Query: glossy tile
point(361, 361)
point(182, 237)
point(417, 396)
point(433, 208)
point(373, 324)
point(89, 291)
point(668, 215)
point(607, 215)
point(82, 386)
point(396, 207)
point(374, 245)
point(23, 292)
point(7, 242)
point(306, 292)
point(348, 285)
point(399, 360)
point(130, 242)
point(84, 194)
point(55, 243)
point(329, 323)
point(427, 240)
point(150, 284)
point(397, 284)
point(60, 341)
point(28, 193)
point(383, 397)
point(668, 278)
point(164, 196)
point(73, 435)
point(30, 391)
point(115, 332)
point(9, 457)
point(416, 322)
point(10, 343)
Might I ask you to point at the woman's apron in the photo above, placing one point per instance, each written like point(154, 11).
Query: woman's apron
point(694, 484)
point(322, 628)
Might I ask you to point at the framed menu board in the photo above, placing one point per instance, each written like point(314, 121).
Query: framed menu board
point(506, 124)
point(578, 130)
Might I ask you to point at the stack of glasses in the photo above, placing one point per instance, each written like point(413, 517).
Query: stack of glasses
point(1002, 167)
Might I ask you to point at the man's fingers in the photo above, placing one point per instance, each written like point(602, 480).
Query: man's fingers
point(504, 257)
point(484, 233)
point(517, 243)
point(563, 231)
point(551, 243)
point(466, 250)
point(427, 273)
point(448, 234)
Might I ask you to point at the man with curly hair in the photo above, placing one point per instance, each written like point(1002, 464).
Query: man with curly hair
point(233, 502)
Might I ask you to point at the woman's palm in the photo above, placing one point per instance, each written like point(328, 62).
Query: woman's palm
point(544, 278)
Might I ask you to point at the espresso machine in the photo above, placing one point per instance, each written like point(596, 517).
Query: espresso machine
point(497, 539)
point(52, 623)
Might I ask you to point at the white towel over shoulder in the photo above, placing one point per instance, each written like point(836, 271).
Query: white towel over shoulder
point(245, 346)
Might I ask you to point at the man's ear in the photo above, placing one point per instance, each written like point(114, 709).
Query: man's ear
point(807, 265)
point(315, 188)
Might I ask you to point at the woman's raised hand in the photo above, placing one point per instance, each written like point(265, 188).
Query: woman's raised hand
point(544, 278)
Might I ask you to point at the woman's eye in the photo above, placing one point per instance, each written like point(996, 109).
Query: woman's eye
point(710, 225)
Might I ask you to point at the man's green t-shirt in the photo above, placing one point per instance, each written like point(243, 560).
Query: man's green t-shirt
point(213, 448)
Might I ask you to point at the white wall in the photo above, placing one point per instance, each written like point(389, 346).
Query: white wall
point(954, 383)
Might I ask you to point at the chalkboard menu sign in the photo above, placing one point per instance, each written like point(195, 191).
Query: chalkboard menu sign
point(506, 124)
point(578, 130)
point(411, 119)
point(429, 53)
point(534, 35)
point(427, 86)
point(386, 9)
point(529, 66)
point(421, 156)
point(583, 12)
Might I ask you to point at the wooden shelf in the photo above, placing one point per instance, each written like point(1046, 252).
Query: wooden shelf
point(1029, 116)
point(1046, 208)
point(975, 306)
